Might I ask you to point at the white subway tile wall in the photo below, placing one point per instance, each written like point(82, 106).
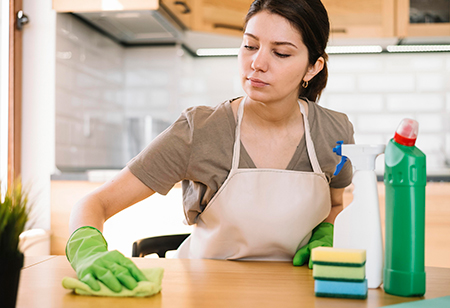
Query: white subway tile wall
point(390, 87)
point(89, 97)
point(102, 86)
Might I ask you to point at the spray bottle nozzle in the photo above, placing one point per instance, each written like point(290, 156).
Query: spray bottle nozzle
point(362, 156)
point(338, 150)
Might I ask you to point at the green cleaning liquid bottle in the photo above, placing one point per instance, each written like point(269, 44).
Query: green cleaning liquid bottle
point(405, 180)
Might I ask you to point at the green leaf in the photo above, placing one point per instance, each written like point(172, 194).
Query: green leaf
point(14, 214)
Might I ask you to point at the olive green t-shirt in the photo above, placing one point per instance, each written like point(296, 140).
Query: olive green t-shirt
point(197, 149)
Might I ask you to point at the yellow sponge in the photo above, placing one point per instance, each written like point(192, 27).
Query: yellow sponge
point(338, 256)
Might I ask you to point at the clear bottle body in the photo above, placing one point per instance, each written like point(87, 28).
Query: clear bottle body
point(358, 226)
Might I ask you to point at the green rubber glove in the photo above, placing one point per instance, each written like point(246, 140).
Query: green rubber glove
point(322, 235)
point(87, 252)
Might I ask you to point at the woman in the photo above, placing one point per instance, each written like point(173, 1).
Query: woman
point(256, 171)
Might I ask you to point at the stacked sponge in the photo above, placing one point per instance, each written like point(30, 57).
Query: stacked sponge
point(339, 272)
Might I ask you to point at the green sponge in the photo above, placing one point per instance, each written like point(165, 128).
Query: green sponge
point(333, 272)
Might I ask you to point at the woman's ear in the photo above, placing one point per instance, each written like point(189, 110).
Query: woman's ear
point(313, 70)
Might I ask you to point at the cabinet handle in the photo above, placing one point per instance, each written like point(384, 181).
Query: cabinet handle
point(338, 30)
point(184, 4)
point(231, 27)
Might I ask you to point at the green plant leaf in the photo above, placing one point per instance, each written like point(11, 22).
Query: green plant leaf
point(14, 214)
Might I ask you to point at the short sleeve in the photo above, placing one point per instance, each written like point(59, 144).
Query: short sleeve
point(165, 160)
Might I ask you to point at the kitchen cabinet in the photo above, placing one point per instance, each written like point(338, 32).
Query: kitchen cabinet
point(360, 19)
point(217, 16)
point(348, 18)
point(184, 10)
point(63, 6)
point(419, 18)
point(224, 17)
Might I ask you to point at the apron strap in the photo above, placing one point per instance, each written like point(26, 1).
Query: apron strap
point(309, 143)
point(237, 137)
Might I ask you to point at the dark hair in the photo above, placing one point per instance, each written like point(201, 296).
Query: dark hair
point(310, 18)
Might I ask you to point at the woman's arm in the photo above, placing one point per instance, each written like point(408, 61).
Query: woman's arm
point(337, 203)
point(112, 197)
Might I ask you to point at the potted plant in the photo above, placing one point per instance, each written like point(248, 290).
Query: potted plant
point(14, 214)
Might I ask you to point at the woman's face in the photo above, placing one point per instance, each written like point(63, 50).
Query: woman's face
point(273, 60)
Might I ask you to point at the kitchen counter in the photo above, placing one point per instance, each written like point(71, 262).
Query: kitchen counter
point(210, 283)
point(164, 215)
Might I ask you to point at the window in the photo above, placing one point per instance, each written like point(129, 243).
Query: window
point(4, 77)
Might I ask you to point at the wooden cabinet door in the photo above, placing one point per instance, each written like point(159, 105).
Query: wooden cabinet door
point(219, 16)
point(360, 18)
point(407, 29)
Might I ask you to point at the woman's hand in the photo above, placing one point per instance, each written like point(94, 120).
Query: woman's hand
point(322, 235)
point(88, 254)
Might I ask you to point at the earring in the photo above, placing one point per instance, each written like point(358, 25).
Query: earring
point(305, 84)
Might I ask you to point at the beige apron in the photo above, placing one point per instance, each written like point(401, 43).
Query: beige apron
point(260, 214)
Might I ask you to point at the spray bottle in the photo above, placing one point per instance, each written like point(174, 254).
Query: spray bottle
point(405, 180)
point(358, 226)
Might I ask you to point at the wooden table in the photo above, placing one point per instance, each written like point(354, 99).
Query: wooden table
point(207, 283)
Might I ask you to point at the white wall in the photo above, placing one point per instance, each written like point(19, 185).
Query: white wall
point(89, 97)
point(38, 99)
point(4, 84)
point(111, 100)
point(378, 91)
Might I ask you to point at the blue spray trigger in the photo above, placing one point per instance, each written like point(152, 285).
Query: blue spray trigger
point(340, 165)
point(338, 150)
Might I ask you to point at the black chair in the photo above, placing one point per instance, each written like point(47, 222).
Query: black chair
point(157, 244)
